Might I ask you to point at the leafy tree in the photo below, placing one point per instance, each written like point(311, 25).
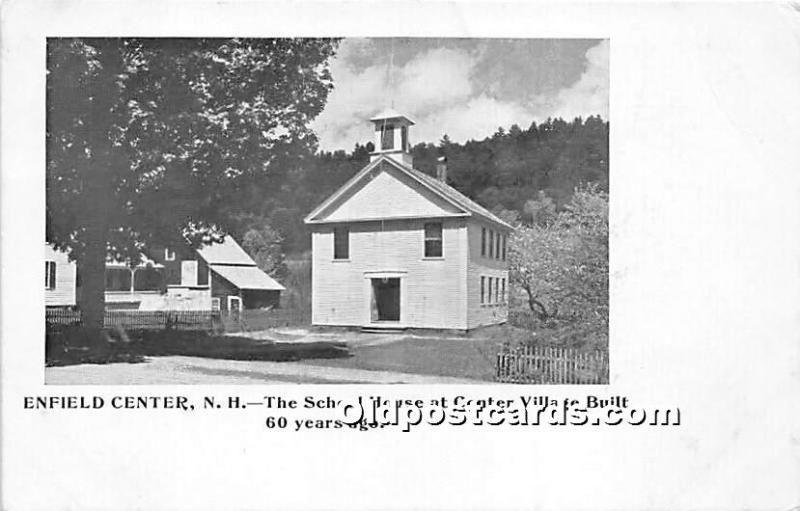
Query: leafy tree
point(264, 244)
point(561, 267)
point(154, 142)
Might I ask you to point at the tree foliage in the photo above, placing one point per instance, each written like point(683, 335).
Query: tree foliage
point(154, 142)
point(560, 265)
point(265, 246)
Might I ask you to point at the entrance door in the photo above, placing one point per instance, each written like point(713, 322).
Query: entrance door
point(385, 300)
point(234, 304)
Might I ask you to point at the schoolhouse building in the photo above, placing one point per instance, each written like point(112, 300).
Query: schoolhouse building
point(396, 248)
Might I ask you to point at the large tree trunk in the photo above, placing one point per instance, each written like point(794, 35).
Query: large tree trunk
point(92, 264)
point(92, 267)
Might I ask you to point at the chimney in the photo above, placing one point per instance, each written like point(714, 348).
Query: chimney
point(441, 169)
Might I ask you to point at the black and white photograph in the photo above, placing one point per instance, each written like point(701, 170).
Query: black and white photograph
point(332, 210)
point(363, 256)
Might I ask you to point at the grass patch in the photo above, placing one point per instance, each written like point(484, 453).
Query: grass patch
point(140, 345)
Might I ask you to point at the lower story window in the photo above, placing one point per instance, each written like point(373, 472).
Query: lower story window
point(50, 274)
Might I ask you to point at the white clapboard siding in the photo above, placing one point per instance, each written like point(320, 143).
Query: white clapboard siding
point(432, 290)
point(483, 314)
point(387, 193)
point(63, 294)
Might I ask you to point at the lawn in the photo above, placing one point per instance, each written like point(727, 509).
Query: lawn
point(472, 358)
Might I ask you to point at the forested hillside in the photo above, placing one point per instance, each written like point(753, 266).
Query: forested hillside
point(506, 171)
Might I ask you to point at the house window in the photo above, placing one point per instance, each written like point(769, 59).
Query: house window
point(497, 290)
point(483, 241)
point(387, 137)
point(49, 274)
point(433, 239)
point(504, 246)
point(497, 246)
point(169, 255)
point(483, 284)
point(503, 290)
point(341, 243)
point(491, 243)
point(489, 298)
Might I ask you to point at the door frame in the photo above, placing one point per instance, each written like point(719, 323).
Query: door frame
point(367, 307)
point(231, 298)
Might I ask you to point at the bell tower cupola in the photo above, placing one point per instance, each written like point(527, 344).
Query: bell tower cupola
point(391, 137)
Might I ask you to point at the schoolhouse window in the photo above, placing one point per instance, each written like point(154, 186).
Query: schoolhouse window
point(50, 274)
point(483, 284)
point(497, 246)
point(341, 243)
point(491, 243)
point(387, 137)
point(503, 290)
point(169, 255)
point(433, 239)
point(483, 241)
point(497, 290)
point(489, 298)
point(505, 237)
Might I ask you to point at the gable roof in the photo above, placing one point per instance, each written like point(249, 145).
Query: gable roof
point(443, 190)
point(227, 252)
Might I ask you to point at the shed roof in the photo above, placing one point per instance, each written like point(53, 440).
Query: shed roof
point(227, 252)
point(247, 277)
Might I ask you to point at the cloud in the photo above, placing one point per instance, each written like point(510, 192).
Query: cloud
point(437, 88)
point(589, 95)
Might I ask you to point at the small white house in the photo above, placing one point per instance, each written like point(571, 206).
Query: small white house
point(220, 276)
point(59, 278)
point(397, 248)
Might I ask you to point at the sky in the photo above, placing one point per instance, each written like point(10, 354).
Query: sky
point(465, 88)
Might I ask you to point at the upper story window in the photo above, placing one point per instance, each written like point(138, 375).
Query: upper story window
point(491, 244)
point(497, 246)
point(404, 138)
point(505, 238)
point(169, 255)
point(387, 137)
point(341, 243)
point(433, 239)
point(483, 241)
point(49, 274)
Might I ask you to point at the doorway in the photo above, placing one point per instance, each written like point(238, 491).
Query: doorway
point(385, 300)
